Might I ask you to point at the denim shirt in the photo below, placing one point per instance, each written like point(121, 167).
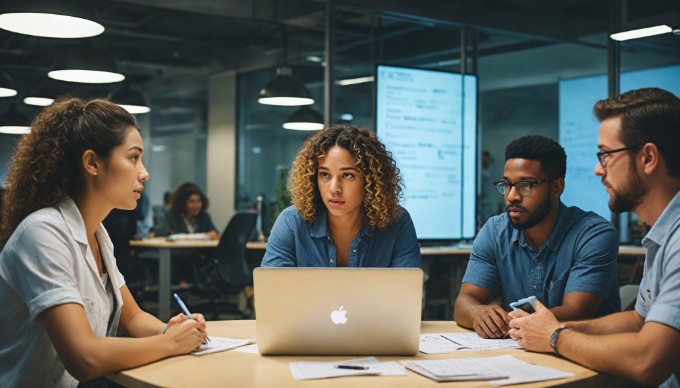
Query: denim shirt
point(659, 296)
point(580, 255)
point(296, 243)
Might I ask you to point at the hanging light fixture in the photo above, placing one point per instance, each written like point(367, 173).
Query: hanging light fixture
point(7, 88)
point(305, 119)
point(86, 64)
point(14, 122)
point(51, 18)
point(284, 90)
point(130, 99)
point(44, 94)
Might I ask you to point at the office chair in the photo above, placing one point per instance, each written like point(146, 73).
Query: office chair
point(628, 294)
point(228, 272)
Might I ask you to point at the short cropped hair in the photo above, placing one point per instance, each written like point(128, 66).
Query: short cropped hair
point(547, 151)
point(648, 115)
point(382, 180)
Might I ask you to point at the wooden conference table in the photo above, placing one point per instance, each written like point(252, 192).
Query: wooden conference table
point(165, 262)
point(240, 369)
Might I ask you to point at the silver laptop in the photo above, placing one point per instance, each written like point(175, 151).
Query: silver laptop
point(338, 311)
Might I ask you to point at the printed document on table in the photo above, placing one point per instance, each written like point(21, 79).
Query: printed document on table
point(220, 344)
point(474, 342)
point(322, 370)
point(436, 344)
point(453, 369)
point(450, 342)
point(501, 370)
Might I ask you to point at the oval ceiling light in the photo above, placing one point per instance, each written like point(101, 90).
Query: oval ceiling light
point(284, 90)
point(44, 94)
point(86, 64)
point(132, 100)
point(14, 122)
point(51, 18)
point(305, 119)
point(7, 88)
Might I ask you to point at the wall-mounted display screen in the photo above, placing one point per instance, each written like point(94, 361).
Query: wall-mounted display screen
point(428, 120)
point(579, 130)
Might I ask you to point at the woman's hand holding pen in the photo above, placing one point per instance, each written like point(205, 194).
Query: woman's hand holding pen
point(187, 334)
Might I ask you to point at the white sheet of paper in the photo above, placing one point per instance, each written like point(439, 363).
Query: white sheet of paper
point(322, 370)
point(474, 342)
point(521, 372)
point(436, 344)
point(252, 348)
point(220, 344)
point(485, 368)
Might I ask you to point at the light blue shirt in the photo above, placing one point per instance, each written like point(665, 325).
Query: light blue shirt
point(296, 243)
point(580, 255)
point(47, 262)
point(659, 296)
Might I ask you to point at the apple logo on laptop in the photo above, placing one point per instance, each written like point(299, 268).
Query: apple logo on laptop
point(339, 316)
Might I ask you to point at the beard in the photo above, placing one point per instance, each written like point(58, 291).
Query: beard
point(630, 196)
point(534, 217)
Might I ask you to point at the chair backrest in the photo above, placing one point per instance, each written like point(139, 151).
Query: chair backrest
point(231, 250)
point(628, 295)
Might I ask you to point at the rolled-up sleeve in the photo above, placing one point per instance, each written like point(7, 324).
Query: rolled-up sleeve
point(406, 247)
point(595, 261)
point(482, 270)
point(280, 250)
point(39, 268)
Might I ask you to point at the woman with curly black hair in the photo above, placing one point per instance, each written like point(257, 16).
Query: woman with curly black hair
point(345, 190)
point(61, 295)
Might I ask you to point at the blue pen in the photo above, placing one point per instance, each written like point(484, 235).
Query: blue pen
point(184, 308)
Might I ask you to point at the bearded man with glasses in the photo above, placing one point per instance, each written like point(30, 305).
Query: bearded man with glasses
point(643, 344)
point(564, 256)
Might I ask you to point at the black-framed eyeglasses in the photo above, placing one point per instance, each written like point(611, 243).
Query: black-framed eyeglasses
point(522, 187)
point(601, 154)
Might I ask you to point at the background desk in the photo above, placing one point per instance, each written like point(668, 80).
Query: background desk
point(165, 265)
point(239, 369)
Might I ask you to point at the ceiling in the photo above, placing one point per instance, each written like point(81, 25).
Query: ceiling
point(165, 46)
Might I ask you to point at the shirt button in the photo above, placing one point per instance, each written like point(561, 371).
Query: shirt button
point(534, 287)
point(355, 251)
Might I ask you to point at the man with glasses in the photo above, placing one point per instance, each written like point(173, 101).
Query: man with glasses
point(563, 256)
point(639, 163)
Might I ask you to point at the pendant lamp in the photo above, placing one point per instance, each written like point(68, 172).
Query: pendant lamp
point(45, 94)
point(284, 90)
point(7, 88)
point(51, 18)
point(14, 122)
point(130, 99)
point(86, 64)
point(305, 119)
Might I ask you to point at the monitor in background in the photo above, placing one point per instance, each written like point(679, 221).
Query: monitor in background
point(579, 130)
point(428, 120)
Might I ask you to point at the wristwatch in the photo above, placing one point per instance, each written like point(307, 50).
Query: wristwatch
point(553, 339)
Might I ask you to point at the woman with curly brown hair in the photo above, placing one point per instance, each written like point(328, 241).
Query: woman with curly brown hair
point(345, 190)
point(61, 295)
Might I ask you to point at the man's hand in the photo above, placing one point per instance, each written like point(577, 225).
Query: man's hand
point(491, 321)
point(533, 331)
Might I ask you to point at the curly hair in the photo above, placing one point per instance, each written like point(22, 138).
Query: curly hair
point(648, 115)
point(178, 199)
point(382, 180)
point(45, 168)
point(544, 149)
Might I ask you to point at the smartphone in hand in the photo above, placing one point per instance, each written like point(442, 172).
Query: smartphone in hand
point(526, 304)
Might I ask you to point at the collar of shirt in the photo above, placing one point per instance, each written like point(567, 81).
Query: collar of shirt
point(555, 237)
point(668, 217)
point(320, 226)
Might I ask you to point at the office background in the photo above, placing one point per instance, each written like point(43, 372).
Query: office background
point(202, 63)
